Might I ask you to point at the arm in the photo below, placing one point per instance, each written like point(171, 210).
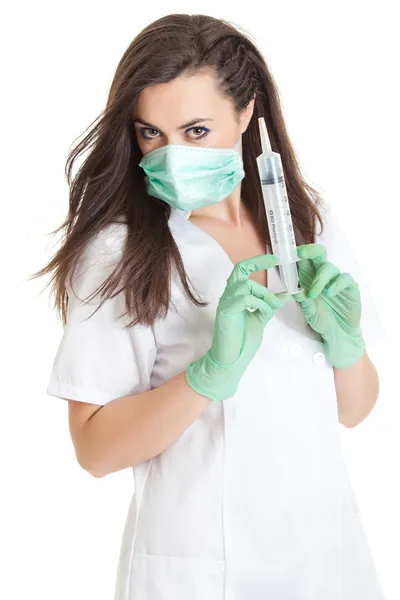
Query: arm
point(331, 304)
point(357, 390)
point(132, 429)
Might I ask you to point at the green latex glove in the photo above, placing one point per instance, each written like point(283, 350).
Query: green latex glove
point(331, 305)
point(238, 333)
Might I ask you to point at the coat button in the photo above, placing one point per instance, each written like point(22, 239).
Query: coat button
point(295, 349)
point(318, 358)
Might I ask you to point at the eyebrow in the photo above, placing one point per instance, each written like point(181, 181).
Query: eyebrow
point(189, 124)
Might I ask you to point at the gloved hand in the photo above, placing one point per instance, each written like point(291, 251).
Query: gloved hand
point(238, 333)
point(331, 305)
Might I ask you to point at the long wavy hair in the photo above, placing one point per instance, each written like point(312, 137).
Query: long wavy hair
point(109, 185)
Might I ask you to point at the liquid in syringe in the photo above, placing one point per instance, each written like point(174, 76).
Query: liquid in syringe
point(278, 211)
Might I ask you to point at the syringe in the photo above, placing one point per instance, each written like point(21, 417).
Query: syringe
point(278, 211)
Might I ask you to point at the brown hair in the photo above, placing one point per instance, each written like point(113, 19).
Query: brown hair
point(109, 186)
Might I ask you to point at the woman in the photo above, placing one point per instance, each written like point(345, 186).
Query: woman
point(189, 364)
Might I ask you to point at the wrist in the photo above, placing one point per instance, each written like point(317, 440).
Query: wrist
point(211, 379)
point(344, 350)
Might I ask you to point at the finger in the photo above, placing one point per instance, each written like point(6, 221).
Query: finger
point(326, 273)
point(275, 301)
point(343, 282)
point(315, 252)
point(232, 305)
point(300, 296)
point(238, 302)
point(308, 306)
point(284, 297)
point(243, 269)
point(243, 288)
point(253, 303)
point(260, 291)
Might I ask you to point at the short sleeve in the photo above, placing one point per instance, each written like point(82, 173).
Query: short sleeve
point(98, 359)
point(341, 254)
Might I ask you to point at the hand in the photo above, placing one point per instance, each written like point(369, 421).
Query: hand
point(331, 305)
point(238, 333)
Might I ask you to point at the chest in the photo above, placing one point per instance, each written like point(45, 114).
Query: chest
point(289, 345)
point(237, 245)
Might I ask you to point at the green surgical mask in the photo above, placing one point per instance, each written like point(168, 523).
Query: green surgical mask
point(188, 177)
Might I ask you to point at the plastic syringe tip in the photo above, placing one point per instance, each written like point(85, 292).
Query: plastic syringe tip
point(265, 143)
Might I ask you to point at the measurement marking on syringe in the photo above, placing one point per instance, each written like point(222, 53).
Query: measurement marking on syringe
point(272, 181)
point(273, 226)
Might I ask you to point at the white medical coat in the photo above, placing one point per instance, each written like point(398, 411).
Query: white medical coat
point(253, 501)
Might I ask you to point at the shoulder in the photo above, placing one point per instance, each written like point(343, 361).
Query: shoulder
point(106, 244)
point(97, 259)
point(325, 210)
point(331, 233)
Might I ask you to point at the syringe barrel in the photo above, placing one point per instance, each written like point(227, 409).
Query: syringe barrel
point(278, 216)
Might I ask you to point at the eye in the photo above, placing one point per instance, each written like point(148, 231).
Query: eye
point(148, 133)
point(204, 131)
point(142, 133)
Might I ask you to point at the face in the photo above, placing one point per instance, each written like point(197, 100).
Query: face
point(188, 110)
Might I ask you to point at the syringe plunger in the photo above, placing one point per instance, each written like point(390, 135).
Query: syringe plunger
point(265, 143)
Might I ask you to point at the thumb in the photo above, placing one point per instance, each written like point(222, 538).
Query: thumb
point(308, 305)
point(300, 296)
point(284, 297)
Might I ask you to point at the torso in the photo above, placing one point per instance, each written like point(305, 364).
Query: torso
point(238, 246)
point(253, 500)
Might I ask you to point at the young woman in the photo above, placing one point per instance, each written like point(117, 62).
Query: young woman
point(182, 359)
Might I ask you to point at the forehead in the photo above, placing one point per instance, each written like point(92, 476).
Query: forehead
point(180, 100)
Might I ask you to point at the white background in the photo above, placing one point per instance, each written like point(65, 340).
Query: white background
point(337, 72)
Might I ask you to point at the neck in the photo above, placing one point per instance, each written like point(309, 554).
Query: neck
point(230, 211)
